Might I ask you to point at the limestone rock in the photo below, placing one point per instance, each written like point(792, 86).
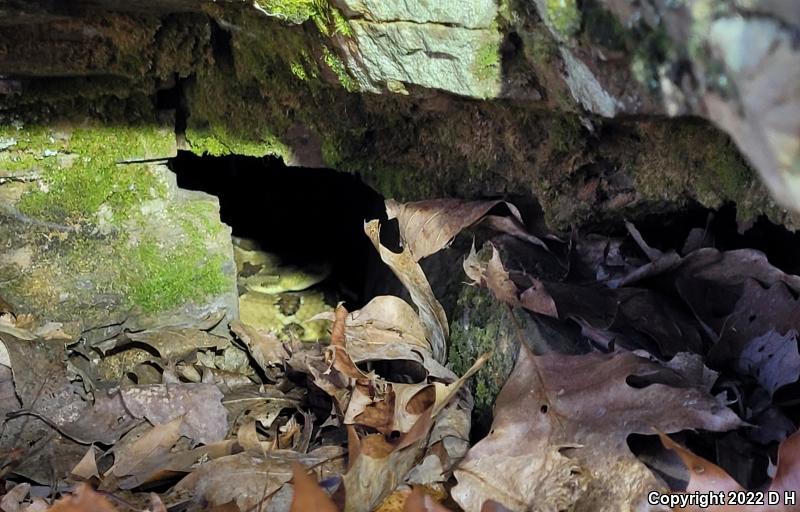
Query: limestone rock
point(90, 233)
point(434, 54)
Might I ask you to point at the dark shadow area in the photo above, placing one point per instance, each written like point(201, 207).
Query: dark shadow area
point(303, 215)
point(781, 246)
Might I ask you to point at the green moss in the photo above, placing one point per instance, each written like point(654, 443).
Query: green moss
point(147, 275)
point(27, 149)
point(199, 219)
point(564, 133)
point(331, 154)
point(293, 11)
point(164, 276)
point(122, 142)
point(481, 324)
point(339, 69)
point(564, 16)
point(487, 60)
point(218, 141)
point(171, 260)
point(100, 143)
point(75, 194)
point(80, 173)
point(726, 176)
point(326, 17)
point(162, 279)
point(340, 24)
point(539, 47)
point(104, 244)
point(298, 70)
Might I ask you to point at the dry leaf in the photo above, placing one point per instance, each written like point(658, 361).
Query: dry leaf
point(12, 499)
point(249, 480)
point(706, 477)
point(409, 273)
point(558, 438)
point(491, 275)
point(307, 494)
point(420, 501)
point(174, 344)
point(205, 420)
point(426, 227)
point(388, 329)
point(87, 467)
point(134, 460)
point(387, 423)
point(84, 499)
point(104, 422)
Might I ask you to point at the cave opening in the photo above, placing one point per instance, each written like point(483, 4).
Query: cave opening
point(305, 216)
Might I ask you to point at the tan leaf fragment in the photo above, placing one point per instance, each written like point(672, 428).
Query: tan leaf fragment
point(135, 458)
point(12, 499)
point(87, 467)
point(307, 494)
point(491, 275)
point(428, 226)
point(408, 271)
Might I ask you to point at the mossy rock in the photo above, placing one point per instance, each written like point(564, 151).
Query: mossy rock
point(92, 234)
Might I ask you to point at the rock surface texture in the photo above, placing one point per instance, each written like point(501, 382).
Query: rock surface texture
point(601, 109)
point(95, 233)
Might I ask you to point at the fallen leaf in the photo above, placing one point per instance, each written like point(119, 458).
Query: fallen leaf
point(87, 467)
point(420, 501)
point(13, 498)
point(247, 437)
point(84, 499)
point(249, 480)
point(426, 227)
point(175, 344)
point(307, 494)
point(134, 460)
point(706, 477)
point(260, 403)
point(156, 505)
point(408, 271)
point(559, 435)
point(205, 420)
point(773, 359)
point(388, 329)
point(492, 275)
point(104, 422)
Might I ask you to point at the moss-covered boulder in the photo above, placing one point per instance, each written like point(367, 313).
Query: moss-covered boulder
point(94, 230)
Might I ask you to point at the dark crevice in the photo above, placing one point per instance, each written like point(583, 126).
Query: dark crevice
point(666, 231)
point(303, 215)
point(221, 44)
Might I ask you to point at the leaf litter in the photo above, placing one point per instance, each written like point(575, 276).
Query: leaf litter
point(693, 341)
